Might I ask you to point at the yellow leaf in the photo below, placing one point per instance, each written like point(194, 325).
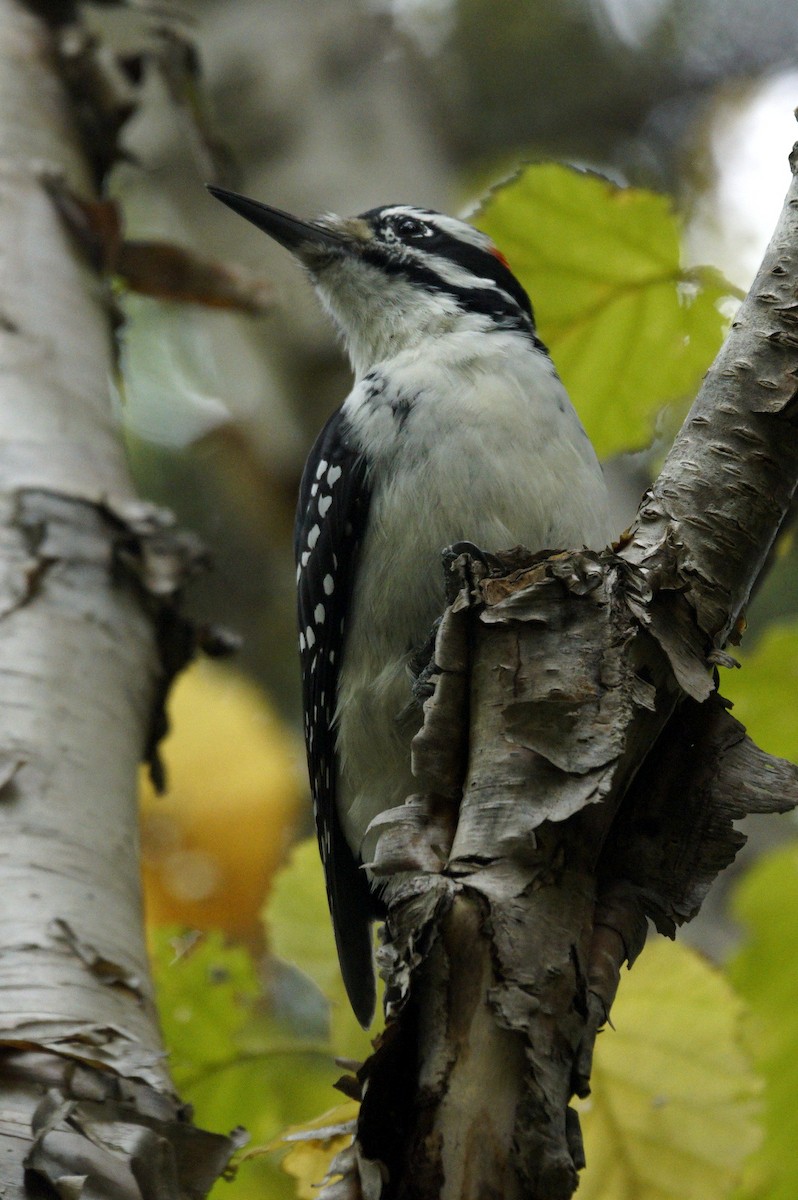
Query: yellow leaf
point(675, 1106)
point(211, 845)
point(314, 1145)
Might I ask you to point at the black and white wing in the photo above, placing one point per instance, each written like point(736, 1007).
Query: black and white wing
point(330, 522)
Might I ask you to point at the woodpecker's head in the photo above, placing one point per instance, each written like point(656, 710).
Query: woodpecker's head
point(396, 275)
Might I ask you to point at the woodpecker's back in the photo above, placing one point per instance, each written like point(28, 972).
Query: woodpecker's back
point(457, 429)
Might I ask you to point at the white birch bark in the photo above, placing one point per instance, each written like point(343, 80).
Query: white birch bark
point(79, 668)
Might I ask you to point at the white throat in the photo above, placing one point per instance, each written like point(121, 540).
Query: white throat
point(379, 321)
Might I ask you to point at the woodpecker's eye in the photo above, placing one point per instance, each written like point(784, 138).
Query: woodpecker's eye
point(411, 227)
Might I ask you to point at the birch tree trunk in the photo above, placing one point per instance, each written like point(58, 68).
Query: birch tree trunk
point(87, 1100)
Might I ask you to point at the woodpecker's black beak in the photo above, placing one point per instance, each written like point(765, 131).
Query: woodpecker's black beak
point(302, 238)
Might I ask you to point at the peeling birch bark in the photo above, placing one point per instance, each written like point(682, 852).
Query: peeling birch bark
point(709, 521)
point(603, 777)
point(87, 577)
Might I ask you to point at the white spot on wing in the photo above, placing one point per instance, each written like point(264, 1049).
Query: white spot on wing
point(324, 504)
point(318, 614)
point(333, 475)
point(321, 468)
point(328, 583)
point(313, 536)
point(310, 637)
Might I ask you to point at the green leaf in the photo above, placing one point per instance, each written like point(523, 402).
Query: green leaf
point(630, 329)
point(229, 1056)
point(298, 919)
point(776, 598)
point(299, 931)
point(673, 1114)
point(764, 690)
point(206, 991)
point(764, 973)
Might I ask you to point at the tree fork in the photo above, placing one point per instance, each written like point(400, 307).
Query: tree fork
point(578, 774)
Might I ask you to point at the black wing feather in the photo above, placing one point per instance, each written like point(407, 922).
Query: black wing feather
point(330, 522)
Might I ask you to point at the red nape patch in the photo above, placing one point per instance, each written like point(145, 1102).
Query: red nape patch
point(498, 254)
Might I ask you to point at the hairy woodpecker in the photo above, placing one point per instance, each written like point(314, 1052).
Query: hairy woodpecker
point(457, 428)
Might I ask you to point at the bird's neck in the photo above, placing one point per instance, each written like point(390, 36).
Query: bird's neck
point(386, 322)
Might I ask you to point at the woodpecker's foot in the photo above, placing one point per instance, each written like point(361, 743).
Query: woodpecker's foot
point(423, 668)
point(489, 561)
point(477, 565)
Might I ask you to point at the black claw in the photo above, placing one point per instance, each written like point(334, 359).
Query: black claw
point(489, 561)
point(423, 667)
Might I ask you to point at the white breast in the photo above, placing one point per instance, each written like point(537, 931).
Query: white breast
point(470, 439)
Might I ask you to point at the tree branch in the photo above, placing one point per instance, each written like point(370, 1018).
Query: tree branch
point(707, 525)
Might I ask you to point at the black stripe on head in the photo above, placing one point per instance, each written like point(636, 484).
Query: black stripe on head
point(417, 229)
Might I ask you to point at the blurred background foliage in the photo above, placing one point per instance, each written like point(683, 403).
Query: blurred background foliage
point(343, 105)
